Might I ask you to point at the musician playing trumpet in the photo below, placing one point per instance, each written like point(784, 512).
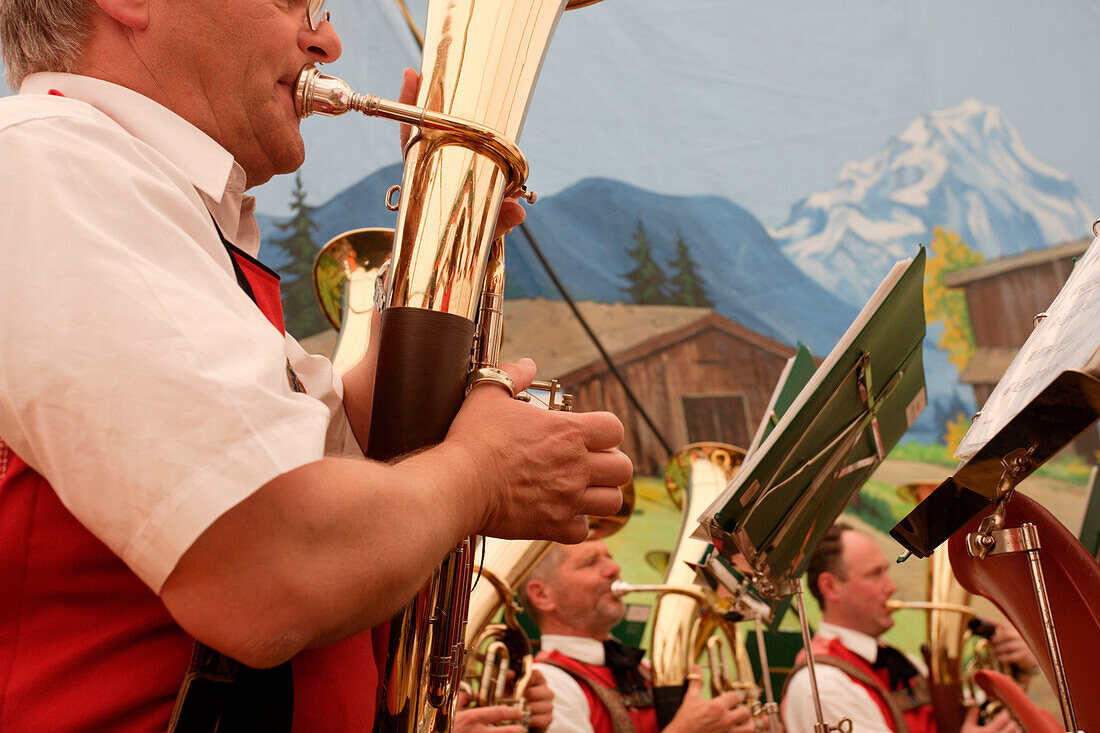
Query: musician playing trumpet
point(173, 466)
point(600, 685)
point(859, 677)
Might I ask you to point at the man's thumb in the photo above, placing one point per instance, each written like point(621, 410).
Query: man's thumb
point(694, 682)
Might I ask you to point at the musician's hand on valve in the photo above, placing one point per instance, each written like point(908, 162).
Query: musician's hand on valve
point(541, 472)
point(511, 213)
point(490, 719)
point(725, 713)
point(540, 702)
point(1002, 722)
point(1011, 650)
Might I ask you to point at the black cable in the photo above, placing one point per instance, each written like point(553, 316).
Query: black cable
point(595, 339)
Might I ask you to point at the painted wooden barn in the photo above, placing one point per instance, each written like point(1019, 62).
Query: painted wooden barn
point(1003, 297)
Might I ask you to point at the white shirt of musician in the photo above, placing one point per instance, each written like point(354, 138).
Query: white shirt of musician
point(840, 696)
point(135, 374)
point(571, 713)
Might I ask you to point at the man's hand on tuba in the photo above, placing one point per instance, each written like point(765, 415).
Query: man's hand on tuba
point(725, 713)
point(511, 213)
point(541, 472)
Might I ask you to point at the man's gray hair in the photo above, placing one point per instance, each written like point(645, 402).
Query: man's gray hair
point(546, 571)
point(43, 35)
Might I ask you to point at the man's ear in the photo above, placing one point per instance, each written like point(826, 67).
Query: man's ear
point(133, 14)
point(827, 585)
point(540, 596)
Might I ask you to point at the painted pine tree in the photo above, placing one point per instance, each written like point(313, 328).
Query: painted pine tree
point(687, 286)
point(300, 310)
point(648, 283)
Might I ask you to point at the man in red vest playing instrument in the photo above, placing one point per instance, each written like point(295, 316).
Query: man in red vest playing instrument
point(875, 686)
point(598, 683)
point(190, 535)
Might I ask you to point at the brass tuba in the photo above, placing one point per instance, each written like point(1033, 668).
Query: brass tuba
point(947, 624)
point(480, 64)
point(689, 621)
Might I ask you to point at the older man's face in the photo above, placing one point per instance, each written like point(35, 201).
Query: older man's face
point(863, 586)
point(229, 66)
point(581, 589)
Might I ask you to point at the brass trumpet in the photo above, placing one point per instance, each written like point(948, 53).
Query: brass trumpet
point(481, 61)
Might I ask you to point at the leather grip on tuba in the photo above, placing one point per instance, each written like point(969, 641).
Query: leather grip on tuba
point(420, 380)
point(667, 701)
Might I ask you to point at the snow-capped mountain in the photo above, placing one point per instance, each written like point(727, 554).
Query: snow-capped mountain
point(964, 169)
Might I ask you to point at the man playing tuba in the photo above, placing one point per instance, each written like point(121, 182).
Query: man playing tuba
point(872, 684)
point(599, 684)
point(188, 528)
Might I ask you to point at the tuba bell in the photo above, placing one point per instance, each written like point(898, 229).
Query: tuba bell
point(480, 64)
point(690, 621)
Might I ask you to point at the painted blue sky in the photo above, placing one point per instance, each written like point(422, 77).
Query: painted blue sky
point(760, 102)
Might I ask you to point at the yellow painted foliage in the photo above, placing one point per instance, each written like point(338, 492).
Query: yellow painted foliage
point(948, 305)
point(955, 431)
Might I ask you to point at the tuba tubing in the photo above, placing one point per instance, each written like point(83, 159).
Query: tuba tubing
point(480, 64)
point(684, 617)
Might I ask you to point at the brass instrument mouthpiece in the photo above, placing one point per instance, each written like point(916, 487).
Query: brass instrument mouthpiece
point(320, 94)
point(621, 588)
point(893, 605)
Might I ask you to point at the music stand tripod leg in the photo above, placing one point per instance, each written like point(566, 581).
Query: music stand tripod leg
point(770, 707)
point(989, 541)
point(820, 726)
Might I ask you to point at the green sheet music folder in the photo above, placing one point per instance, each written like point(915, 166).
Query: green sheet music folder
point(854, 409)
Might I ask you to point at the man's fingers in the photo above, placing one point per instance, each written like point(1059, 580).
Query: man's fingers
point(493, 715)
point(601, 501)
point(609, 468)
point(600, 430)
point(410, 85)
point(522, 372)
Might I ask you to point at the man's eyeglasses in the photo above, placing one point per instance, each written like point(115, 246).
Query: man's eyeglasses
point(315, 13)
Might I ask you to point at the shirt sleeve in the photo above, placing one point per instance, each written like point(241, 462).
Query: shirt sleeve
point(135, 375)
point(571, 713)
point(840, 698)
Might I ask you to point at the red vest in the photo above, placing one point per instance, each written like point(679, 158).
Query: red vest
point(85, 645)
point(644, 719)
point(921, 719)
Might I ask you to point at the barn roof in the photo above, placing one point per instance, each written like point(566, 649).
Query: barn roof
point(548, 332)
point(1031, 258)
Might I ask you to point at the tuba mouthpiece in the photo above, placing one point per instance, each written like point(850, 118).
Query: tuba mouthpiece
point(317, 93)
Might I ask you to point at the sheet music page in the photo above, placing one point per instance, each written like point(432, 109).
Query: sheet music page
point(1066, 339)
point(753, 458)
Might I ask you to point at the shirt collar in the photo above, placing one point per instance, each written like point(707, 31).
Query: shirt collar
point(581, 648)
point(855, 641)
point(209, 166)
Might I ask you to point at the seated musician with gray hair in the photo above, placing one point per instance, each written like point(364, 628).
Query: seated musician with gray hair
point(874, 685)
point(600, 685)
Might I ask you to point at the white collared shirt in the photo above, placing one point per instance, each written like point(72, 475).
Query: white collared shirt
point(571, 711)
point(840, 696)
point(135, 375)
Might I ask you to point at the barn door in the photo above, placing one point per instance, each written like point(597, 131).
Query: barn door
point(720, 418)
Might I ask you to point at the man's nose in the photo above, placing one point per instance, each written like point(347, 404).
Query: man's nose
point(322, 44)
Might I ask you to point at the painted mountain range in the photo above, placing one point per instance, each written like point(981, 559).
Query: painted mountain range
point(586, 231)
point(964, 169)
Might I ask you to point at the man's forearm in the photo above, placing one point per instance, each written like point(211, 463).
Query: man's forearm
point(323, 552)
